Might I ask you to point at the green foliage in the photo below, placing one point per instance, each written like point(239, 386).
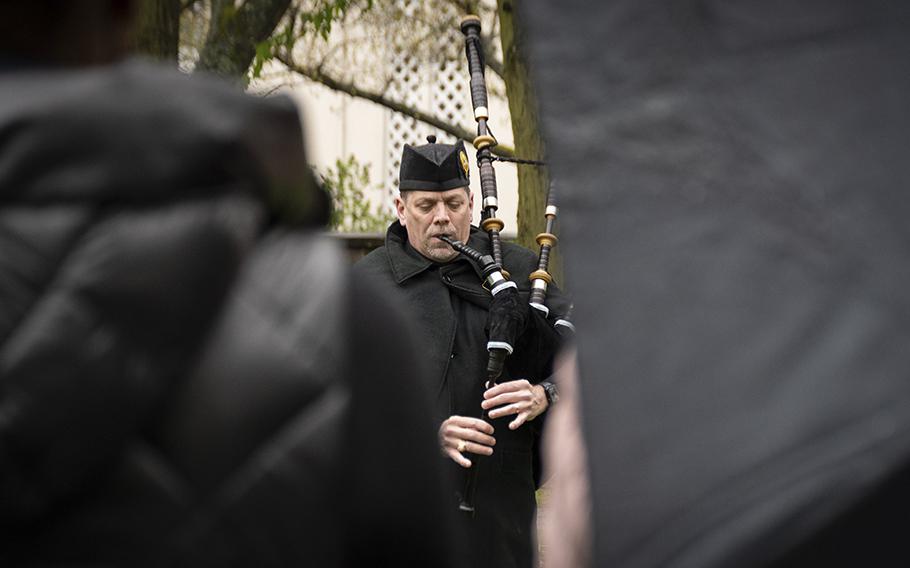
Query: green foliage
point(263, 54)
point(324, 13)
point(303, 18)
point(351, 210)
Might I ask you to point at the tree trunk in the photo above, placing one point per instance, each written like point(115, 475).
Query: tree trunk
point(158, 29)
point(235, 32)
point(532, 181)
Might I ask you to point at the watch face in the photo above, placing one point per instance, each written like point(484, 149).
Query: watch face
point(552, 393)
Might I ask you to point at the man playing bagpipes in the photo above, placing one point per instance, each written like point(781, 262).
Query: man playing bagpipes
point(489, 434)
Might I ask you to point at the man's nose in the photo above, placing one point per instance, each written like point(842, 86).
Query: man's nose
point(441, 214)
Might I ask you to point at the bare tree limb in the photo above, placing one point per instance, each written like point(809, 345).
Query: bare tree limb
point(319, 76)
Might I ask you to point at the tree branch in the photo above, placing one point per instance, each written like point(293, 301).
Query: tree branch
point(234, 33)
point(493, 64)
point(158, 29)
point(318, 76)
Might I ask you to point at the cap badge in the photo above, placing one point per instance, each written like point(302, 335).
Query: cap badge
point(464, 162)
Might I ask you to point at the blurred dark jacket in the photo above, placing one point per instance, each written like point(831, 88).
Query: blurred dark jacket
point(736, 181)
point(176, 385)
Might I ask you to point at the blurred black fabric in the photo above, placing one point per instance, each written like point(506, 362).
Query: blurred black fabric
point(189, 376)
point(735, 229)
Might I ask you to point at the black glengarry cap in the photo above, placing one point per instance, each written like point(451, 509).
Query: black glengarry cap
point(433, 167)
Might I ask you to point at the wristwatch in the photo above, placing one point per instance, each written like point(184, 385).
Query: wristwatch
point(551, 391)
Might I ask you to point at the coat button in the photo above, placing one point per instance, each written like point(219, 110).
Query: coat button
point(447, 278)
point(452, 356)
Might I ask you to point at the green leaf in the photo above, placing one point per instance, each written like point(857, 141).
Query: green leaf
point(352, 211)
point(263, 54)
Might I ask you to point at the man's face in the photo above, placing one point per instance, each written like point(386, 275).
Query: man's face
point(428, 214)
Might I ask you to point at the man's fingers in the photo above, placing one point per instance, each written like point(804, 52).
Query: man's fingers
point(475, 448)
point(471, 423)
point(460, 434)
point(506, 398)
point(519, 420)
point(458, 458)
point(506, 410)
point(469, 435)
point(508, 386)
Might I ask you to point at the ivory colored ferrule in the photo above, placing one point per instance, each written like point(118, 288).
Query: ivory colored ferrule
point(541, 308)
point(499, 345)
point(484, 141)
point(492, 224)
point(495, 278)
point(470, 19)
point(540, 276)
point(547, 239)
point(490, 202)
point(481, 113)
point(565, 323)
point(551, 210)
point(502, 285)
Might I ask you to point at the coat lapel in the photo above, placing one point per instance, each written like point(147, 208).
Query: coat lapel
point(435, 320)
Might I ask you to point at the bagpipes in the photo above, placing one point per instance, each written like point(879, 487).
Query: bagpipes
point(508, 315)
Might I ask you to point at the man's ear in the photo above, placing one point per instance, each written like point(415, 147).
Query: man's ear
point(400, 210)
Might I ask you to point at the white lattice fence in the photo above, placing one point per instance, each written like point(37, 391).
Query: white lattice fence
point(435, 85)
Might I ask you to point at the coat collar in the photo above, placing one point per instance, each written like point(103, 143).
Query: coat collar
point(407, 263)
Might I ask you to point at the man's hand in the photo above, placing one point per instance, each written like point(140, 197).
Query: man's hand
point(459, 434)
point(515, 397)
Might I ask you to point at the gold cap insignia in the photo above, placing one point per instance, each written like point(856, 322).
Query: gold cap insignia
point(464, 163)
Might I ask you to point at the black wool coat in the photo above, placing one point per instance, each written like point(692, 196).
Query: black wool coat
point(448, 307)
